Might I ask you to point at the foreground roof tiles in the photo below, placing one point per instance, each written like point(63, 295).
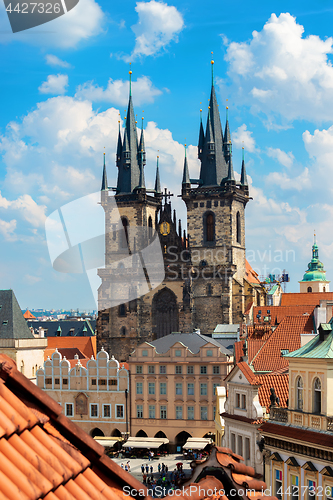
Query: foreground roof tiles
point(298, 299)
point(273, 315)
point(280, 382)
point(45, 455)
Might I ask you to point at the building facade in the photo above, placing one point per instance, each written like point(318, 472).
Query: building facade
point(299, 438)
point(94, 396)
point(173, 381)
point(206, 277)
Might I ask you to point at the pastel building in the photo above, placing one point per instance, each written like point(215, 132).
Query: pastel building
point(94, 396)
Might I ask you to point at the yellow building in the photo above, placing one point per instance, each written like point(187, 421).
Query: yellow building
point(173, 381)
point(298, 440)
point(94, 396)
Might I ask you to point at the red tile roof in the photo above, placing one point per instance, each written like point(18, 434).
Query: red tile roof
point(286, 336)
point(87, 345)
point(250, 274)
point(238, 347)
point(298, 299)
point(28, 315)
point(45, 455)
point(277, 313)
point(240, 477)
point(280, 384)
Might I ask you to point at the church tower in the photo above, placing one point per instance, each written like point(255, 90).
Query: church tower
point(314, 279)
point(130, 220)
point(216, 226)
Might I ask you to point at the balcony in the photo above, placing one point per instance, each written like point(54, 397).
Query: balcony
point(302, 419)
point(279, 414)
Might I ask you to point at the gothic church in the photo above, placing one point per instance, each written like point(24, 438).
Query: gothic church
point(207, 279)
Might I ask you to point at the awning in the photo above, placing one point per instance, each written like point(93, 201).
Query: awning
point(107, 441)
point(196, 443)
point(145, 442)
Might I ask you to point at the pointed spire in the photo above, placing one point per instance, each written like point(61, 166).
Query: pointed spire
point(104, 178)
point(142, 143)
point(209, 130)
point(243, 172)
point(227, 138)
point(174, 216)
point(157, 180)
point(212, 63)
point(119, 146)
point(180, 228)
point(201, 141)
point(186, 175)
point(130, 81)
point(231, 176)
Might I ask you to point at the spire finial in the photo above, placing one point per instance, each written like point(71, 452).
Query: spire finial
point(227, 110)
point(243, 151)
point(212, 63)
point(314, 237)
point(130, 80)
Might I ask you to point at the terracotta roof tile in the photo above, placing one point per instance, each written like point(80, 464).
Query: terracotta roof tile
point(250, 274)
point(277, 313)
point(297, 299)
point(286, 336)
point(87, 345)
point(45, 455)
point(28, 315)
point(238, 347)
point(280, 384)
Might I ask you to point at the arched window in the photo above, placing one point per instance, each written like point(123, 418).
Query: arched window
point(299, 393)
point(238, 228)
point(150, 227)
point(309, 289)
point(316, 395)
point(324, 289)
point(209, 227)
point(122, 310)
point(124, 240)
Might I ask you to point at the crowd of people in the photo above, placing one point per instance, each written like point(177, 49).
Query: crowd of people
point(162, 478)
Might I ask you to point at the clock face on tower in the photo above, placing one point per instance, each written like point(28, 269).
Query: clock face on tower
point(164, 228)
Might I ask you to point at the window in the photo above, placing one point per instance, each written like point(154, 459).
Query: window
point(48, 381)
point(190, 370)
point(299, 394)
point(179, 369)
point(243, 402)
point(163, 412)
point(178, 353)
point(328, 493)
point(93, 410)
point(209, 289)
point(190, 389)
point(119, 411)
point(278, 484)
point(122, 331)
point(214, 389)
point(309, 289)
point(102, 381)
point(179, 389)
point(93, 381)
point(81, 404)
point(163, 388)
point(233, 442)
point(209, 227)
point(216, 370)
point(150, 227)
point(139, 369)
point(203, 413)
point(317, 396)
point(190, 413)
point(57, 381)
point(240, 445)
point(64, 381)
point(151, 369)
point(294, 487)
point(112, 381)
point(214, 412)
point(162, 369)
point(122, 310)
point(151, 388)
point(124, 240)
point(209, 353)
point(106, 411)
point(139, 411)
point(203, 389)
point(139, 388)
point(144, 353)
point(312, 489)
point(69, 410)
point(179, 412)
point(247, 449)
point(151, 411)
point(203, 370)
point(238, 228)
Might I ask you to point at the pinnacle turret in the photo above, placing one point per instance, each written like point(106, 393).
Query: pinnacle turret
point(157, 180)
point(201, 141)
point(243, 180)
point(186, 175)
point(104, 178)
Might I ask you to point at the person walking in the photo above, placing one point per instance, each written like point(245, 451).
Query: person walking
point(151, 469)
point(147, 469)
point(142, 469)
point(159, 467)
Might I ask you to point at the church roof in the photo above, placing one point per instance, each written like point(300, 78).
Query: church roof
point(12, 323)
point(28, 315)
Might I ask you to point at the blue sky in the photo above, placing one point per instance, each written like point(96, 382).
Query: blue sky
point(63, 85)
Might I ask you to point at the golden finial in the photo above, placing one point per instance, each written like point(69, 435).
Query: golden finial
point(208, 107)
point(130, 71)
point(212, 58)
point(200, 109)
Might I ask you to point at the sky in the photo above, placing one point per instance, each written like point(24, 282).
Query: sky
point(64, 83)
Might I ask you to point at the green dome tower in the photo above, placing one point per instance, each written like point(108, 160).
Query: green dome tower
point(314, 279)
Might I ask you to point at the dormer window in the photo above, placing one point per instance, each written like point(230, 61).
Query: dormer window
point(211, 146)
point(127, 155)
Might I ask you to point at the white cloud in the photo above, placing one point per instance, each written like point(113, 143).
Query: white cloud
point(158, 25)
point(55, 84)
point(283, 74)
point(117, 91)
point(31, 280)
point(286, 159)
point(82, 22)
point(7, 229)
point(28, 208)
point(243, 137)
point(53, 60)
point(284, 181)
